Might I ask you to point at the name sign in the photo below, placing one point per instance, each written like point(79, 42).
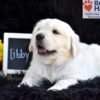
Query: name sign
point(16, 54)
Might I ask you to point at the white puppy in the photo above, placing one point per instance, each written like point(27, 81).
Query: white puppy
point(59, 56)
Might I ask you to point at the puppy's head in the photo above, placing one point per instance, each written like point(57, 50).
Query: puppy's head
point(54, 41)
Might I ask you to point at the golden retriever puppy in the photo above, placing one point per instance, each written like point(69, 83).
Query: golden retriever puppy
point(59, 56)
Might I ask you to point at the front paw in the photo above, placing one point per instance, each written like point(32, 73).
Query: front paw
point(19, 85)
point(26, 83)
point(22, 84)
point(55, 88)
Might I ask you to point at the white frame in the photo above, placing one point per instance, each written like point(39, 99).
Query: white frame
point(5, 51)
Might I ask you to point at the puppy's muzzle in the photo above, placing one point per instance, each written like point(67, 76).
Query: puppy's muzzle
point(40, 37)
point(42, 50)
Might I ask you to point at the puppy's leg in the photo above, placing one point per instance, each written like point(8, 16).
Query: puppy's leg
point(63, 84)
point(31, 78)
point(28, 81)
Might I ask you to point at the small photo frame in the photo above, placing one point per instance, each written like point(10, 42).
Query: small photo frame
point(16, 54)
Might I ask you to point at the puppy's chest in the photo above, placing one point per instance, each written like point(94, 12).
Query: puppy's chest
point(54, 73)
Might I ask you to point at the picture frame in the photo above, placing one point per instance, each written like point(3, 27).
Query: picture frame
point(16, 58)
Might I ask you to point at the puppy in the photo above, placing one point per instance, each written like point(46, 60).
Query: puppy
point(59, 56)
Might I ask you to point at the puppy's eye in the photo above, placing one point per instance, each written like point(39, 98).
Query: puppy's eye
point(55, 32)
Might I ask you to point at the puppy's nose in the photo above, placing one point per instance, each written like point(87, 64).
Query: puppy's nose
point(39, 37)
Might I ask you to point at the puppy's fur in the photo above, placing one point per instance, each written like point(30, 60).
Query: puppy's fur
point(59, 56)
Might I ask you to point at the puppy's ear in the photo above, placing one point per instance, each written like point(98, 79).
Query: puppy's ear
point(30, 48)
point(74, 45)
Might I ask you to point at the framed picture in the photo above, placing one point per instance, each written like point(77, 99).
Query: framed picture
point(16, 55)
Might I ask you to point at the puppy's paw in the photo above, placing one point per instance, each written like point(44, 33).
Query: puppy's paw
point(25, 83)
point(21, 84)
point(55, 88)
point(63, 84)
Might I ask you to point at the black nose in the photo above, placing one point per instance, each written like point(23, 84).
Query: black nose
point(39, 37)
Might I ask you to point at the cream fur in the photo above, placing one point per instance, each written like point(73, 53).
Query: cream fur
point(72, 61)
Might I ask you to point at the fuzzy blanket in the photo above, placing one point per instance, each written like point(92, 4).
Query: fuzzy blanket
point(86, 90)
